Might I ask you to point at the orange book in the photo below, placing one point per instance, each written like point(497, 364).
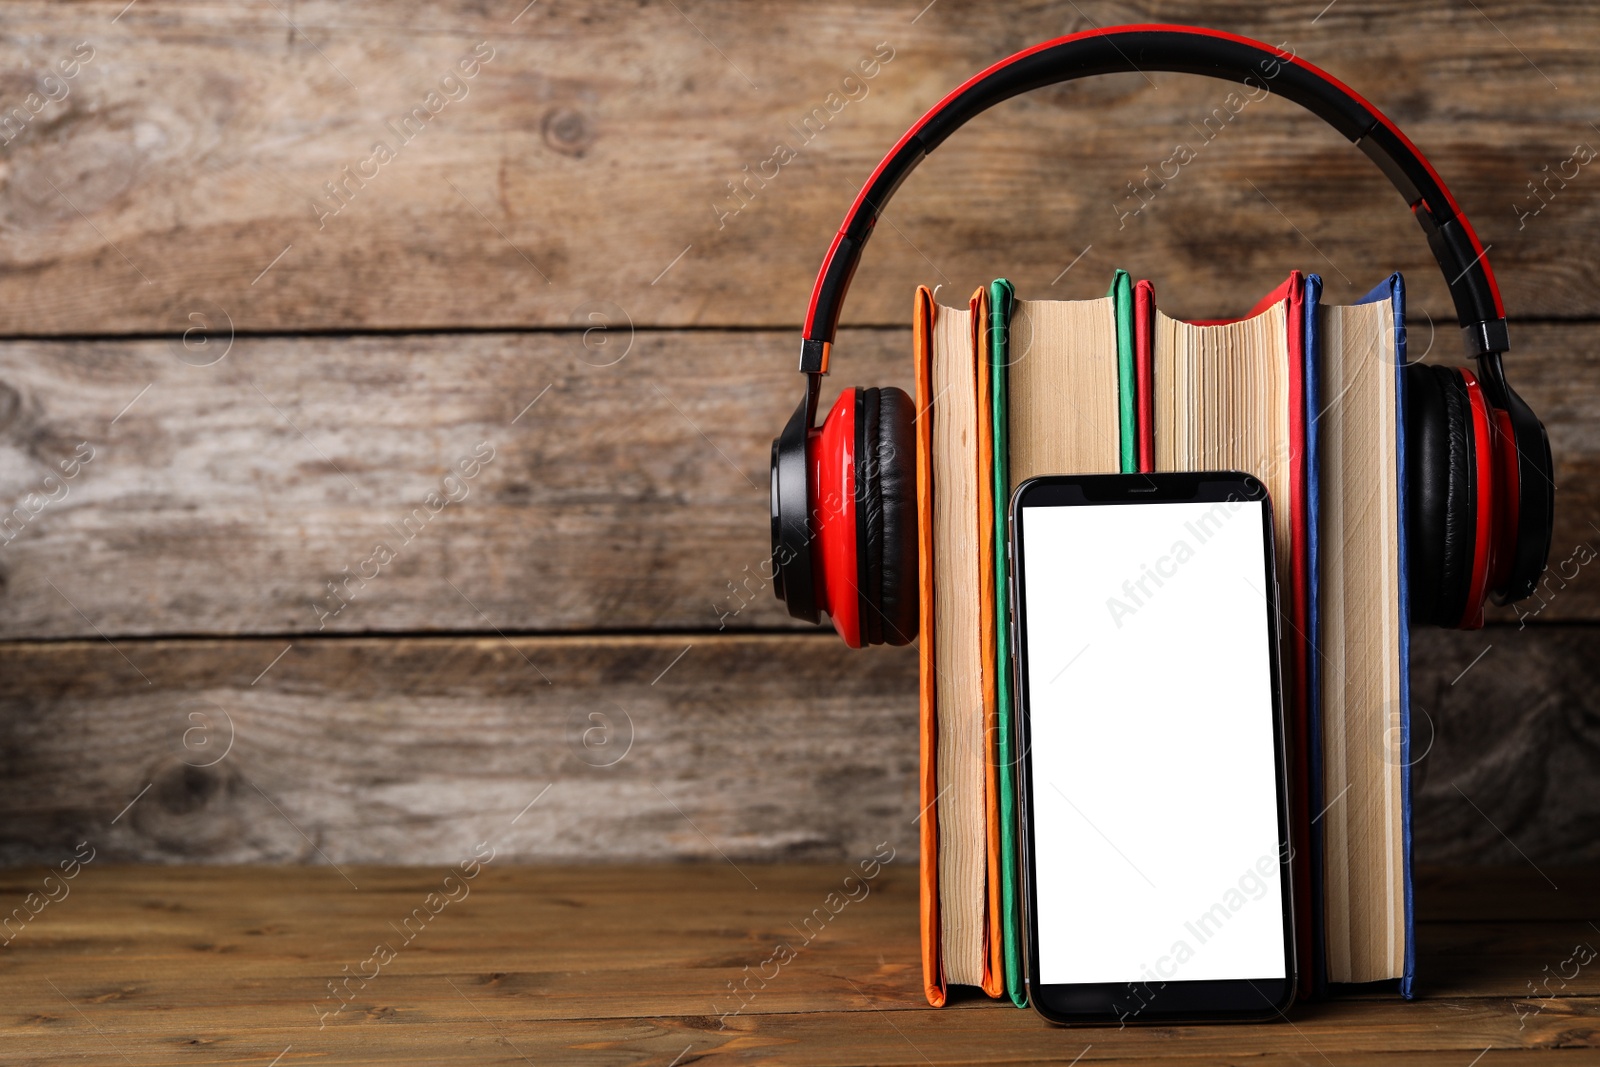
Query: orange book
point(962, 940)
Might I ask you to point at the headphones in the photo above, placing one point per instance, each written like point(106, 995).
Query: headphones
point(1480, 492)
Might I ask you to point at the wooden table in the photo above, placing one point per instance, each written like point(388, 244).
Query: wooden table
point(620, 965)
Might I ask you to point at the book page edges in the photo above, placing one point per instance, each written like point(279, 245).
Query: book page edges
point(928, 863)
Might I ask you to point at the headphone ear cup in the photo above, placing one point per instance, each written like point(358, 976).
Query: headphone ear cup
point(1441, 496)
point(886, 516)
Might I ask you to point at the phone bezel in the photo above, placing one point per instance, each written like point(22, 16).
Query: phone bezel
point(1241, 1000)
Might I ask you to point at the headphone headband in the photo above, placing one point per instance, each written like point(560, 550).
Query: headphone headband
point(1184, 50)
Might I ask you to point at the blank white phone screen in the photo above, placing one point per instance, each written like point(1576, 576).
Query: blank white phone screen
point(1154, 801)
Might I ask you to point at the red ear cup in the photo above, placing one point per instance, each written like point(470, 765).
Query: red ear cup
point(831, 452)
point(1507, 498)
point(1484, 476)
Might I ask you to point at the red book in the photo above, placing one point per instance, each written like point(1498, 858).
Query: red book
point(1229, 394)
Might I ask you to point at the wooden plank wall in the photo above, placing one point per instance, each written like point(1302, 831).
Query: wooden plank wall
point(261, 307)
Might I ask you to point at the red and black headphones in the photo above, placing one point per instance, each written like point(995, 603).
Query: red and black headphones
point(1480, 489)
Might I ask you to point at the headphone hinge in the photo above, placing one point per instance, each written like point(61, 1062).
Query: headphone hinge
point(814, 356)
point(1486, 338)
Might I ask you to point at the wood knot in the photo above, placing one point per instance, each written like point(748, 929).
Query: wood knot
point(191, 811)
point(567, 131)
point(182, 789)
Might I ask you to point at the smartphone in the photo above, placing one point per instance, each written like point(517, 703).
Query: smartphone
point(1151, 772)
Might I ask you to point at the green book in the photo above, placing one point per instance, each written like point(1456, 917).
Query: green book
point(1121, 294)
point(1001, 296)
point(1002, 302)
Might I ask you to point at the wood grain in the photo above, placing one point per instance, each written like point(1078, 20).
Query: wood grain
point(400, 750)
point(653, 748)
point(160, 214)
point(623, 965)
point(226, 498)
point(1515, 744)
point(632, 496)
point(590, 159)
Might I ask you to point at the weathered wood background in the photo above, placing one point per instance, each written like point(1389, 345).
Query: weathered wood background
point(269, 380)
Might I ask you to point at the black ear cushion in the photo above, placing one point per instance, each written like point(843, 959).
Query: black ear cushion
point(1427, 454)
point(869, 517)
point(1442, 504)
point(887, 516)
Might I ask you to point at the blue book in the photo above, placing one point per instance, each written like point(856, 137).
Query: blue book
point(1359, 709)
point(1313, 413)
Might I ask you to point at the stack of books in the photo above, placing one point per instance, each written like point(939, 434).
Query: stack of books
point(1305, 396)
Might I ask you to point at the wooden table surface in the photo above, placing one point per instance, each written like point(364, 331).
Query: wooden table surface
point(633, 965)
